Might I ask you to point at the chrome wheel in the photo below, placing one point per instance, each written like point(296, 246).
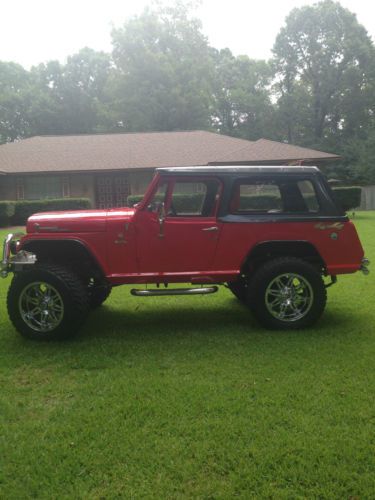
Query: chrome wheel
point(41, 306)
point(289, 297)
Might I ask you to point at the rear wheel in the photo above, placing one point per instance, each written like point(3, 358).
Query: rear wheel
point(287, 293)
point(47, 302)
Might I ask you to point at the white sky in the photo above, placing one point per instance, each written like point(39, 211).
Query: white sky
point(34, 31)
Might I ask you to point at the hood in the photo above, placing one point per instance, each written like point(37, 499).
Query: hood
point(78, 221)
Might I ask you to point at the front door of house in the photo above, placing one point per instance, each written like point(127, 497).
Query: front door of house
point(112, 191)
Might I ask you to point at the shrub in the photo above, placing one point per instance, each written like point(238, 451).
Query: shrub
point(260, 202)
point(133, 199)
point(190, 202)
point(6, 212)
point(348, 197)
point(23, 209)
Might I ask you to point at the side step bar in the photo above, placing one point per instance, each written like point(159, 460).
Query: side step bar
point(174, 291)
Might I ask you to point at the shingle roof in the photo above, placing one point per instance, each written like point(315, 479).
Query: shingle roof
point(98, 152)
point(266, 150)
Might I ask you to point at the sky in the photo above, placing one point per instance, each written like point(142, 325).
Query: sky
point(35, 31)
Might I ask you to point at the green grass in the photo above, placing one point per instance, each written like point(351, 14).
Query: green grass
point(186, 397)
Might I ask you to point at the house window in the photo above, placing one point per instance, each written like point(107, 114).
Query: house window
point(39, 188)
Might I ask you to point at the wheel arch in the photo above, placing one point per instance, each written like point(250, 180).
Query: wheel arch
point(272, 249)
point(71, 252)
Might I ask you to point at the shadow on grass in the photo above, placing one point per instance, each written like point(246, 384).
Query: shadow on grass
point(115, 333)
point(151, 322)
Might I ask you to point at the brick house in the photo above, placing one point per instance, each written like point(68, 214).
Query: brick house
point(106, 168)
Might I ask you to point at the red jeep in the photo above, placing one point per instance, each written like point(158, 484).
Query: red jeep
point(270, 234)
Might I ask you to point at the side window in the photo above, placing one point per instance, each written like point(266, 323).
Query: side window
point(159, 197)
point(251, 196)
point(290, 196)
point(194, 199)
point(309, 195)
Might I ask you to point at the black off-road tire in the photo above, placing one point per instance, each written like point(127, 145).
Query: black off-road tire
point(98, 294)
point(282, 266)
point(71, 290)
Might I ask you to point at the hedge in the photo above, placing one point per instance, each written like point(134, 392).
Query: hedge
point(7, 209)
point(24, 209)
point(17, 212)
point(189, 202)
point(348, 197)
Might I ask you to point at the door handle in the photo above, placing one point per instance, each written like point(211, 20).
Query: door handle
point(213, 228)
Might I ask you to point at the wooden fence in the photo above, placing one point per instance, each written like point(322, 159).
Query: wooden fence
point(367, 198)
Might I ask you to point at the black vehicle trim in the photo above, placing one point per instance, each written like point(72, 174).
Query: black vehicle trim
point(271, 217)
point(59, 240)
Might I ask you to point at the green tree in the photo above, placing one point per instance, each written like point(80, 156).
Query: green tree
point(15, 87)
point(71, 97)
point(242, 105)
point(325, 62)
point(163, 72)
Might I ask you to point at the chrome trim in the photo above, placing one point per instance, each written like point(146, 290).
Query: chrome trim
point(213, 228)
point(289, 297)
point(41, 307)
point(363, 267)
point(20, 258)
point(174, 291)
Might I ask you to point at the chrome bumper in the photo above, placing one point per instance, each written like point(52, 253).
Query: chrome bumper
point(11, 263)
point(364, 264)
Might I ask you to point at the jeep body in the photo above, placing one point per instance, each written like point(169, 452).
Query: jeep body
point(265, 232)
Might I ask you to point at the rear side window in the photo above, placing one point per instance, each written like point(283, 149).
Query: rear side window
point(254, 196)
point(309, 195)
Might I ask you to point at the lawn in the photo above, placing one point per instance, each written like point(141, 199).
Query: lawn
point(187, 397)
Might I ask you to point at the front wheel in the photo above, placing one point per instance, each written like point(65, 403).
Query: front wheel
point(47, 302)
point(287, 293)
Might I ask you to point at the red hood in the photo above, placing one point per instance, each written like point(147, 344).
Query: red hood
point(81, 221)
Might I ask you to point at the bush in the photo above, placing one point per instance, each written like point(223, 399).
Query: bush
point(6, 212)
point(23, 209)
point(348, 197)
point(192, 202)
point(260, 202)
point(133, 199)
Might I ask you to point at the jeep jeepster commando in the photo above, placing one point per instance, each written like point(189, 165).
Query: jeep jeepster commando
point(273, 235)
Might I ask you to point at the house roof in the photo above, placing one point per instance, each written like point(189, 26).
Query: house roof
point(266, 150)
point(98, 152)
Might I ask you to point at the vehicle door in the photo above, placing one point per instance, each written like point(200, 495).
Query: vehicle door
point(178, 231)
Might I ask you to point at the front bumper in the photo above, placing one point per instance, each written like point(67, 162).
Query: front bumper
point(11, 263)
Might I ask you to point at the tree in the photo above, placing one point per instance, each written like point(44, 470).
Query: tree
point(324, 61)
point(74, 93)
point(242, 105)
point(163, 72)
point(15, 85)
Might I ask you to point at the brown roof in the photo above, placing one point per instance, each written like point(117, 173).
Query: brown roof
point(141, 151)
point(266, 150)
